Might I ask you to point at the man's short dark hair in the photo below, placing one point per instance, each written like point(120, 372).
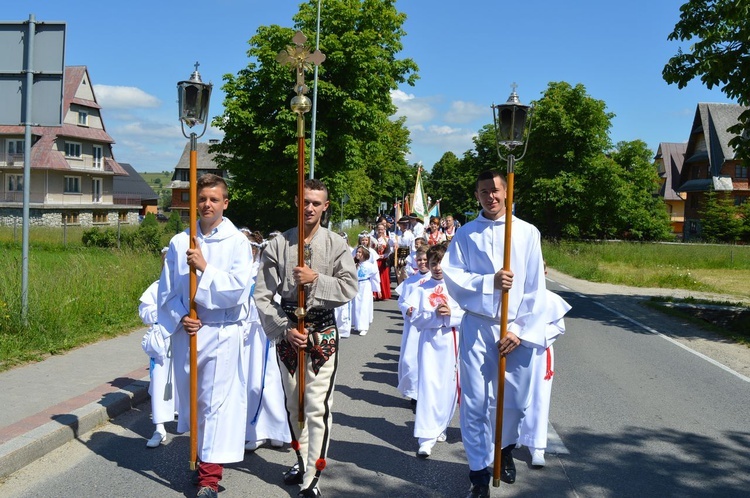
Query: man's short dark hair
point(315, 184)
point(489, 175)
point(209, 180)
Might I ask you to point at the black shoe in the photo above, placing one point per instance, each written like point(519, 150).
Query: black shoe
point(309, 493)
point(194, 479)
point(507, 466)
point(206, 492)
point(479, 491)
point(293, 475)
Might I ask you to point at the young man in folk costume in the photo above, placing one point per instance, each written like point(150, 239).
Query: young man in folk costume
point(404, 246)
point(223, 261)
point(474, 275)
point(330, 280)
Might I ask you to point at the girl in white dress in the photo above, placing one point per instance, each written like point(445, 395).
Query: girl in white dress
point(362, 304)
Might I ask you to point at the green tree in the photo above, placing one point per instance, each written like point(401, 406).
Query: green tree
point(565, 184)
point(720, 34)
point(644, 215)
point(721, 221)
point(359, 148)
point(453, 183)
point(165, 199)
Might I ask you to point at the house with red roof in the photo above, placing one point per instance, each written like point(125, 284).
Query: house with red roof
point(72, 166)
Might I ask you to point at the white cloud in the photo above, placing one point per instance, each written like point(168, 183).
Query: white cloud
point(124, 97)
point(417, 110)
point(465, 112)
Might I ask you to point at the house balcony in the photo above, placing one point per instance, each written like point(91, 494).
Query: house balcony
point(53, 200)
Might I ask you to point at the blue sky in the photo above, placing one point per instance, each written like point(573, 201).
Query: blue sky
point(469, 53)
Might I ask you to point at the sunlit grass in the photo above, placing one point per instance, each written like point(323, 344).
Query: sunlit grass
point(707, 268)
point(75, 297)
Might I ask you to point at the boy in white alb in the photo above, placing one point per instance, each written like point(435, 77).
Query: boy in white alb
point(408, 365)
point(222, 259)
point(157, 347)
point(437, 317)
point(474, 275)
point(534, 423)
point(266, 413)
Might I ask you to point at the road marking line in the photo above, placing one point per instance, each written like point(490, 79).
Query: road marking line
point(673, 341)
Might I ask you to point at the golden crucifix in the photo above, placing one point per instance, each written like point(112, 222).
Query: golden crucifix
point(300, 58)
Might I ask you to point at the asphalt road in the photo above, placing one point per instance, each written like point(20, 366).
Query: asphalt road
point(641, 412)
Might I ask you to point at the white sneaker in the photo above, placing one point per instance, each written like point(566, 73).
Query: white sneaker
point(425, 449)
point(537, 457)
point(275, 443)
point(252, 445)
point(156, 440)
point(443, 437)
point(362, 332)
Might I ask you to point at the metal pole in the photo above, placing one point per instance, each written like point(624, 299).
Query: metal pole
point(314, 100)
point(27, 170)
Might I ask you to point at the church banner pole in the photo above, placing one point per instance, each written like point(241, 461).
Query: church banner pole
point(300, 59)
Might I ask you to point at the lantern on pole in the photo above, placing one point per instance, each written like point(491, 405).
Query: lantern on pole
point(512, 122)
point(193, 96)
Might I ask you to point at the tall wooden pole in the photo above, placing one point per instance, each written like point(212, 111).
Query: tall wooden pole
point(193, 310)
point(503, 326)
point(300, 312)
point(300, 58)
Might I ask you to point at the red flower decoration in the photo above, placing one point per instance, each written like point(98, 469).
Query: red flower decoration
point(438, 297)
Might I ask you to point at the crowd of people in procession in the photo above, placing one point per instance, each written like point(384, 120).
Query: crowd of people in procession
point(448, 281)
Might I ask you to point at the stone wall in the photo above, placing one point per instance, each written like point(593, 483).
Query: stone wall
point(54, 217)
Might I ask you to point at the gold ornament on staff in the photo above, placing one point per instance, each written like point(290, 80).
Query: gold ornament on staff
point(511, 131)
point(300, 59)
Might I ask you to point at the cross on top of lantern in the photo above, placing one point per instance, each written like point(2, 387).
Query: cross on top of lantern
point(193, 96)
point(300, 58)
point(510, 120)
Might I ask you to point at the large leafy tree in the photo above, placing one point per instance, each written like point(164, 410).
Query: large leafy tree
point(359, 149)
point(643, 213)
point(720, 34)
point(564, 184)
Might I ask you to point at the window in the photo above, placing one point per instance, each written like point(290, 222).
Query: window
point(83, 118)
point(15, 146)
point(14, 183)
point(72, 149)
point(71, 217)
point(100, 217)
point(98, 157)
point(122, 216)
point(740, 200)
point(96, 190)
point(72, 184)
point(740, 171)
point(185, 196)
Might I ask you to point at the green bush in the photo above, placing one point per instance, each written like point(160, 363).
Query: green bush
point(95, 237)
point(174, 224)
